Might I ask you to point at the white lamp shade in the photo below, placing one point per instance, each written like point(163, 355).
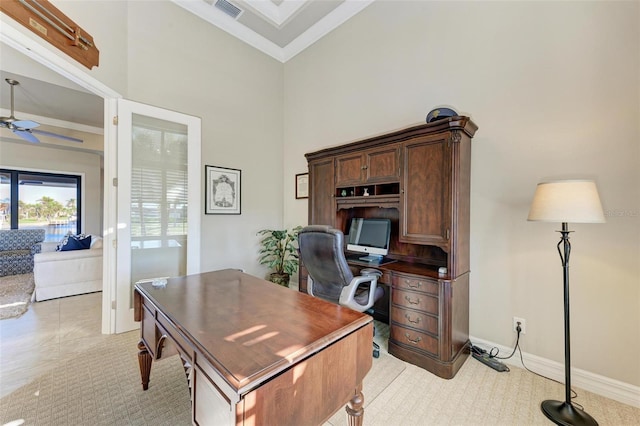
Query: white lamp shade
point(575, 201)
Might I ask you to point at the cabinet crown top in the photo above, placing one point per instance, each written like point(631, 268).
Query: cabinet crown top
point(462, 123)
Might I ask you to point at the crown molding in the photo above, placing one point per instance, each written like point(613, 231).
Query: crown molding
point(333, 20)
point(276, 15)
point(337, 17)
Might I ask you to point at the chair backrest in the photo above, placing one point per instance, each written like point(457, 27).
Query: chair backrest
point(322, 252)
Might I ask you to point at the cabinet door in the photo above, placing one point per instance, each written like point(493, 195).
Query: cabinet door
point(322, 206)
point(383, 164)
point(350, 169)
point(425, 215)
point(375, 165)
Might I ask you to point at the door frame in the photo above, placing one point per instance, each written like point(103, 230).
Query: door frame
point(126, 110)
point(18, 38)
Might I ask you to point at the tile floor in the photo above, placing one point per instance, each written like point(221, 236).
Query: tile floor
point(48, 332)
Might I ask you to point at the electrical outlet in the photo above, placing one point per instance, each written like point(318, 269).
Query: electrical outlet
point(523, 325)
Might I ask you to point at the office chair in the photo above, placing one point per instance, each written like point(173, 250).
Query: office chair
point(330, 278)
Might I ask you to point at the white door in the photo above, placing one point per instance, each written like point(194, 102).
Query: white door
point(158, 197)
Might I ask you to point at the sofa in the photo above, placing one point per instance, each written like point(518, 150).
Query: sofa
point(17, 250)
point(67, 273)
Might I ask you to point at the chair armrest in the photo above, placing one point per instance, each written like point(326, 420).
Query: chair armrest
point(36, 248)
point(310, 286)
point(48, 246)
point(347, 296)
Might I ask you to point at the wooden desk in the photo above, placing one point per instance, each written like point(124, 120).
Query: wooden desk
point(256, 353)
point(428, 314)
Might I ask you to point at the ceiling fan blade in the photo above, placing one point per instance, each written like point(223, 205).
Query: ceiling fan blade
point(55, 135)
point(26, 135)
point(25, 124)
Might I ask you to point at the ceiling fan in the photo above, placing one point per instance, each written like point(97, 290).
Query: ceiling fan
point(26, 128)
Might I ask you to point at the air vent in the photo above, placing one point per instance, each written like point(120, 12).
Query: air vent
point(228, 8)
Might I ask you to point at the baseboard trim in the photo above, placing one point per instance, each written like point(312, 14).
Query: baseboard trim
point(604, 386)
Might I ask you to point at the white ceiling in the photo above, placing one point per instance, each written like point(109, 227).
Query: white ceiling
point(47, 103)
point(279, 28)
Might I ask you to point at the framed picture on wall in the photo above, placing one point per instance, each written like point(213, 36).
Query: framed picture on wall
point(302, 185)
point(222, 190)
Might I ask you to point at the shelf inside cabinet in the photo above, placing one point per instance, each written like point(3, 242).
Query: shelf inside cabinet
point(368, 190)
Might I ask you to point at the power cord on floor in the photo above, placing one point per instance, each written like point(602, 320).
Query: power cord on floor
point(493, 353)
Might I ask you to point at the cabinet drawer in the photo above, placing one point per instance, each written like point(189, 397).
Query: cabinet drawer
point(414, 300)
point(414, 319)
point(416, 339)
point(415, 283)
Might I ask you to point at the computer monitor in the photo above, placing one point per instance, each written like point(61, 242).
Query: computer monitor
point(369, 236)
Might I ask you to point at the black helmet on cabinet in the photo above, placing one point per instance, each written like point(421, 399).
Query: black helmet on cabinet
point(440, 113)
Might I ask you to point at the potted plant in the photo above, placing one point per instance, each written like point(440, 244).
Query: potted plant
point(279, 252)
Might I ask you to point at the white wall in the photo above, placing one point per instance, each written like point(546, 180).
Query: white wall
point(106, 21)
point(554, 89)
point(192, 67)
point(155, 52)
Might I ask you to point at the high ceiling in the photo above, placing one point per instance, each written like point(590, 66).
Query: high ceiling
point(279, 28)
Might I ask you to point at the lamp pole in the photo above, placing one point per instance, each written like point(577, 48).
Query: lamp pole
point(575, 201)
point(564, 413)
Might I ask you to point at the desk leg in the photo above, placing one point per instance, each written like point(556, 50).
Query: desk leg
point(144, 359)
point(355, 412)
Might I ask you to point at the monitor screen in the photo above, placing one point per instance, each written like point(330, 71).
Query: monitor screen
point(369, 236)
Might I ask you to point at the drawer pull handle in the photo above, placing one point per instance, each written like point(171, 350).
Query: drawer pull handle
point(160, 345)
point(416, 341)
point(416, 302)
point(411, 284)
point(408, 317)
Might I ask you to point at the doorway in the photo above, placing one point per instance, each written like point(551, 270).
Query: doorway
point(111, 224)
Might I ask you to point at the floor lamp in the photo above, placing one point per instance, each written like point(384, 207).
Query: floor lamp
point(566, 201)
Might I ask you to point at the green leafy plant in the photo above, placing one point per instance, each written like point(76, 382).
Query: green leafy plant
point(279, 252)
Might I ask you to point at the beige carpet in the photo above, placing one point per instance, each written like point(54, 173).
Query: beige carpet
point(101, 386)
point(15, 295)
point(387, 369)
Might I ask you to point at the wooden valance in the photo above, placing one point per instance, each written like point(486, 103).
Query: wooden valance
point(45, 20)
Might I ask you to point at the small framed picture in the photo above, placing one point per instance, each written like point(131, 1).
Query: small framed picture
point(222, 190)
point(302, 185)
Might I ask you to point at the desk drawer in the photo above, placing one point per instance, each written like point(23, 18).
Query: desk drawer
point(210, 406)
point(414, 319)
point(165, 327)
point(415, 339)
point(148, 329)
point(416, 284)
point(415, 300)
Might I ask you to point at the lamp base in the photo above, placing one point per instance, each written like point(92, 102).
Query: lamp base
point(565, 414)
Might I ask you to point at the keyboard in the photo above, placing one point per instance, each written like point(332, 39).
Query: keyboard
point(367, 260)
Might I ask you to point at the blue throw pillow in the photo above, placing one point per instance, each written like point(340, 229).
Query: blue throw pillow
point(75, 242)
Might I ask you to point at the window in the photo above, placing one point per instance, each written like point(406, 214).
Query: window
point(40, 200)
point(158, 183)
